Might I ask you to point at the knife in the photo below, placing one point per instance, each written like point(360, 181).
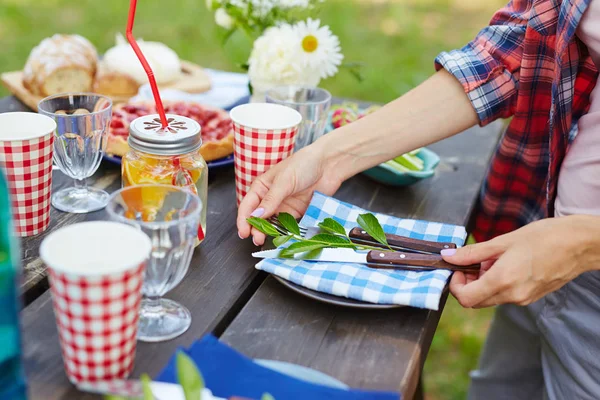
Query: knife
point(376, 259)
point(396, 242)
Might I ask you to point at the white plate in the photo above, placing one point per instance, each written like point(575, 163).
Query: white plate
point(331, 299)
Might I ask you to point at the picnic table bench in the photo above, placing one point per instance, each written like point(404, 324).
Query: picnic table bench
point(247, 309)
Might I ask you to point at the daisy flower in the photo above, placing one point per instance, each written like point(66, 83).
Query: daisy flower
point(273, 59)
point(319, 48)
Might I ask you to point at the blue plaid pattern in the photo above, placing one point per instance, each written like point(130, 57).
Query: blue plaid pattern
point(359, 282)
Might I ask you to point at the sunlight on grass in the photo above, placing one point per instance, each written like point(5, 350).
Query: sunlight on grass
point(397, 41)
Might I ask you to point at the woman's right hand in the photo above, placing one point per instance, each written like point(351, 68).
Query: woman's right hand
point(436, 109)
point(287, 187)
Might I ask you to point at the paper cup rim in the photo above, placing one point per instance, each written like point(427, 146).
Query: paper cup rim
point(9, 121)
point(252, 119)
point(123, 252)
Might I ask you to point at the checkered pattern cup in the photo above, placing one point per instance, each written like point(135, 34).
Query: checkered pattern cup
point(96, 273)
point(26, 157)
point(264, 135)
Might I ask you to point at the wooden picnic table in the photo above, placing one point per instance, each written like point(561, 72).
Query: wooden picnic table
point(247, 309)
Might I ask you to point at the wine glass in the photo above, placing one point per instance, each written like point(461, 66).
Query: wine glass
point(311, 102)
point(82, 121)
point(170, 216)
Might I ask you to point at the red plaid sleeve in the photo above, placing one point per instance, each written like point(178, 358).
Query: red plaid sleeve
point(488, 67)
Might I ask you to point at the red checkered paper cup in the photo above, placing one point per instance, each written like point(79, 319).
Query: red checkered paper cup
point(96, 273)
point(26, 157)
point(264, 135)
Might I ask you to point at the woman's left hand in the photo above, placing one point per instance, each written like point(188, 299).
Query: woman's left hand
point(522, 266)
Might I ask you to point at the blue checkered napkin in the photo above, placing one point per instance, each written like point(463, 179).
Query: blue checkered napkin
point(359, 282)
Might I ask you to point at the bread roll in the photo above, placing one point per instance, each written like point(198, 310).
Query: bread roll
point(61, 63)
point(164, 61)
point(114, 83)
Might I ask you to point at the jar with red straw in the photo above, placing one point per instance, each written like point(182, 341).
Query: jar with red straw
point(164, 148)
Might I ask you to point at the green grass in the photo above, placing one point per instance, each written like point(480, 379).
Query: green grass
point(396, 39)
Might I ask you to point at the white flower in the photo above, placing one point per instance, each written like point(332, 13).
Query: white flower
point(294, 3)
point(319, 48)
point(261, 8)
point(223, 19)
point(274, 59)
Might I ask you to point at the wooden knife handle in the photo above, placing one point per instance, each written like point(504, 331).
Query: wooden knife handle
point(401, 241)
point(376, 258)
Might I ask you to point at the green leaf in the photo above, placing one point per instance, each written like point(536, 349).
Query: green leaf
point(267, 396)
point(279, 240)
point(370, 224)
point(146, 387)
point(332, 226)
point(289, 223)
point(300, 247)
point(264, 226)
point(309, 255)
point(228, 34)
point(111, 397)
point(189, 377)
point(326, 238)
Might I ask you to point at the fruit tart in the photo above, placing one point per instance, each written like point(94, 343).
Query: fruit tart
point(216, 127)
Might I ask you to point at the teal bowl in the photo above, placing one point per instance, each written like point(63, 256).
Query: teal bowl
point(389, 176)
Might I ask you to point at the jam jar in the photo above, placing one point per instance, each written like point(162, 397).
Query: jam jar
point(168, 155)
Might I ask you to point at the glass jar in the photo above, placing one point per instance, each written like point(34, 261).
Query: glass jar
point(169, 156)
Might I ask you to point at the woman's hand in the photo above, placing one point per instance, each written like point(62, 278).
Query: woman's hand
point(523, 266)
point(288, 187)
point(436, 109)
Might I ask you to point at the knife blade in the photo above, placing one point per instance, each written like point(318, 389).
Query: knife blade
point(396, 242)
point(376, 259)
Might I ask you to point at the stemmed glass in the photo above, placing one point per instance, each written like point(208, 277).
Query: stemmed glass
point(170, 216)
point(82, 121)
point(311, 102)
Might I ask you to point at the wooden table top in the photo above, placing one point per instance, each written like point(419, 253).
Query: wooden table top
point(255, 314)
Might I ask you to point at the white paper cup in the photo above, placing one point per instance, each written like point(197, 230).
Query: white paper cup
point(96, 273)
point(26, 148)
point(264, 135)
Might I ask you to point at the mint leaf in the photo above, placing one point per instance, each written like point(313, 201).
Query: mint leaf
point(279, 240)
point(289, 223)
point(112, 397)
point(146, 387)
point(329, 239)
point(309, 255)
point(264, 226)
point(332, 226)
point(300, 247)
point(267, 396)
point(371, 225)
point(189, 377)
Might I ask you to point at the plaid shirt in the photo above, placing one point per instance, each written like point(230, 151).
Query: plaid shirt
point(527, 64)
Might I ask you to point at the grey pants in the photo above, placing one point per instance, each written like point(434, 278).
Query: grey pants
point(547, 350)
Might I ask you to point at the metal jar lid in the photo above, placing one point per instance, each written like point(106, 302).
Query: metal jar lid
point(181, 136)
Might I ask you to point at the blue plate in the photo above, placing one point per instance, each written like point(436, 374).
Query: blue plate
point(302, 373)
point(221, 162)
point(389, 176)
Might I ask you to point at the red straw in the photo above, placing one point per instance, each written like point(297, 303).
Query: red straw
point(138, 52)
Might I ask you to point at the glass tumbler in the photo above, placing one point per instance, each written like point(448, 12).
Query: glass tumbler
point(82, 121)
point(312, 103)
point(170, 216)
